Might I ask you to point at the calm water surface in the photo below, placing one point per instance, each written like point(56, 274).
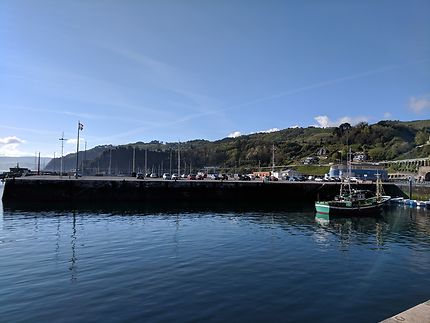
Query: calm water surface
point(193, 266)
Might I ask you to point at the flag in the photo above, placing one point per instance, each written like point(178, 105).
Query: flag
point(81, 126)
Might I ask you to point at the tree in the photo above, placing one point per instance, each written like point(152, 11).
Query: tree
point(342, 129)
point(421, 137)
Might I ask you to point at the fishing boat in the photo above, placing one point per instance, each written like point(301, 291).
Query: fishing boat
point(352, 201)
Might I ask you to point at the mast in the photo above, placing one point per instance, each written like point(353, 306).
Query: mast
point(273, 158)
point(38, 164)
point(146, 161)
point(134, 159)
point(179, 159)
point(110, 162)
point(80, 127)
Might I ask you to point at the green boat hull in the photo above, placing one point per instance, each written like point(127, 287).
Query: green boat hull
point(325, 209)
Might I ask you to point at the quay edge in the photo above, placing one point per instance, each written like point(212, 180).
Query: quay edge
point(416, 314)
point(48, 190)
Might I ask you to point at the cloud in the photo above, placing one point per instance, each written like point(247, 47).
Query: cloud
point(387, 115)
point(74, 141)
point(11, 140)
point(235, 134)
point(269, 130)
point(9, 146)
point(419, 104)
point(238, 133)
point(324, 121)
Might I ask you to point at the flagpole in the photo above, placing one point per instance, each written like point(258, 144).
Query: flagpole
point(77, 151)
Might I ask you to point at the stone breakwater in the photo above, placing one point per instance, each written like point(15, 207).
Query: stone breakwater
point(49, 190)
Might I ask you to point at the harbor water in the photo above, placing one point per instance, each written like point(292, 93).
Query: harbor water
point(211, 264)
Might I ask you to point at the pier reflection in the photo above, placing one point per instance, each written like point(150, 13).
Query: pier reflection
point(393, 223)
point(73, 260)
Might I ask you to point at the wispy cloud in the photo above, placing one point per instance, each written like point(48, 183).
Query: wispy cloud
point(324, 84)
point(61, 83)
point(306, 89)
point(168, 77)
point(30, 130)
point(325, 121)
point(156, 67)
point(419, 104)
point(82, 116)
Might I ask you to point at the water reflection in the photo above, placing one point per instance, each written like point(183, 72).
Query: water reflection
point(1, 205)
point(273, 258)
point(394, 224)
point(1, 214)
point(73, 236)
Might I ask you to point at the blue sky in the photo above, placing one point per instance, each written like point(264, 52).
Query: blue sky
point(179, 70)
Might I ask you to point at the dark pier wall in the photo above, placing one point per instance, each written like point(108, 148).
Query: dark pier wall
point(419, 191)
point(84, 190)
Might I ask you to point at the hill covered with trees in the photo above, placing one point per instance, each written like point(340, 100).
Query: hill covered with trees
point(385, 140)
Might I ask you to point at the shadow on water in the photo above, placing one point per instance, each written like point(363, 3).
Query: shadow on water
point(167, 207)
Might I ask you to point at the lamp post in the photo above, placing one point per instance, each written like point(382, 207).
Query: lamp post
point(62, 148)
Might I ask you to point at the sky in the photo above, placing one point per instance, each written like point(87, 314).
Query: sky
point(182, 69)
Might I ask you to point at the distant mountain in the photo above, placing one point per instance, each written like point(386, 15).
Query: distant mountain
point(69, 161)
point(24, 162)
point(385, 140)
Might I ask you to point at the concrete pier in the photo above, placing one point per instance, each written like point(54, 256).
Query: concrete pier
point(121, 189)
point(417, 314)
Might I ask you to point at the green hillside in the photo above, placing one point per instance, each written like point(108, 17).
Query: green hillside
point(385, 140)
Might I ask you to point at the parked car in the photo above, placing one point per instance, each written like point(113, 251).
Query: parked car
point(223, 177)
point(200, 177)
point(139, 176)
point(175, 177)
point(244, 178)
point(214, 177)
point(167, 176)
point(273, 179)
point(153, 175)
point(191, 177)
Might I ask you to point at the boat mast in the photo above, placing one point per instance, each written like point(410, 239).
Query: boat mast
point(347, 181)
point(379, 187)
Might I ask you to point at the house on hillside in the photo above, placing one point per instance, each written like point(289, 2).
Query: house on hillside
point(360, 157)
point(311, 160)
